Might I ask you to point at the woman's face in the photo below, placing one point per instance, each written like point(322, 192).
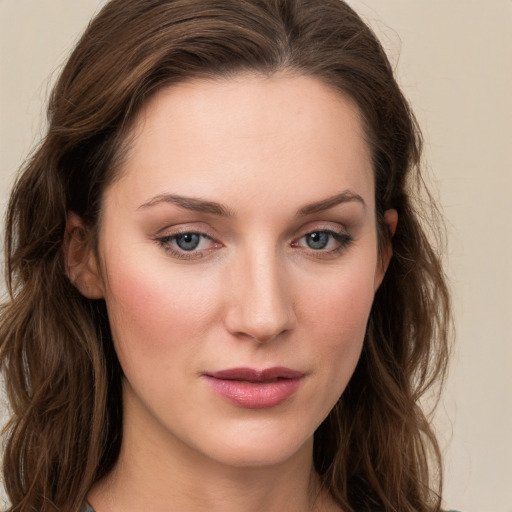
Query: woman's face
point(238, 261)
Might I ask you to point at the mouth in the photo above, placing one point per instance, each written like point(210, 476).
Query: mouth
point(255, 389)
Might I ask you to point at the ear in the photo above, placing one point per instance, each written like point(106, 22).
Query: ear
point(79, 259)
point(391, 220)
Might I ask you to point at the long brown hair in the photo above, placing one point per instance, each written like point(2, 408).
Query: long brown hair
point(376, 450)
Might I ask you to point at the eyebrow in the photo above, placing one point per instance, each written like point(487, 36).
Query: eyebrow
point(189, 203)
point(214, 208)
point(325, 204)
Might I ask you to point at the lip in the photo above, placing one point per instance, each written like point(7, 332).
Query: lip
point(255, 389)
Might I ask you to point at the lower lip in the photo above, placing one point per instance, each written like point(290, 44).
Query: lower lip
point(254, 395)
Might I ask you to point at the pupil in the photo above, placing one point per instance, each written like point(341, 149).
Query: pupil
point(317, 240)
point(188, 242)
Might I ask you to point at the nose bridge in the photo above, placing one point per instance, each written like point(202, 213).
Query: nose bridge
point(260, 306)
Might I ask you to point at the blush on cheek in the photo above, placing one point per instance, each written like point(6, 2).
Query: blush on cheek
point(151, 309)
point(346, 302)
point(340, 316)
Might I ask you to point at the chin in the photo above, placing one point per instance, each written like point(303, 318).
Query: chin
point(258, 444)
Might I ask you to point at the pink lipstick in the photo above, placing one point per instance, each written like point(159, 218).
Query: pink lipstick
point(255, 389)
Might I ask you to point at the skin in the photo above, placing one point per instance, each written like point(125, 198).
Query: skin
point(254, 293)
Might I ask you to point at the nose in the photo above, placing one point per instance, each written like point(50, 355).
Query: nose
point(260, 306)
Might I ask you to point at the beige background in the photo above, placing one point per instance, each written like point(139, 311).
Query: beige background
point(454, 61)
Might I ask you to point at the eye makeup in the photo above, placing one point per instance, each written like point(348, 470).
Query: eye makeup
point(190, 244)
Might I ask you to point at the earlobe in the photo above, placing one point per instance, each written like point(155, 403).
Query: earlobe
point(79, 259)
point(391, 220)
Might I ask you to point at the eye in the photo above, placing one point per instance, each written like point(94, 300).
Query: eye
point(188, 244)
point(324, 241)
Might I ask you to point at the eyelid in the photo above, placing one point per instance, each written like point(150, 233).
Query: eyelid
point(312, 227)
point(178, 228)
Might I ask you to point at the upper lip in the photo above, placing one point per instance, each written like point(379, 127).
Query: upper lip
point(255, 375)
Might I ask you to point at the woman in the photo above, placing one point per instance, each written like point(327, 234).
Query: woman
point(221, 295)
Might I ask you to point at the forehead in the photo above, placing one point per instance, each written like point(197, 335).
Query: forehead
point(230, 136)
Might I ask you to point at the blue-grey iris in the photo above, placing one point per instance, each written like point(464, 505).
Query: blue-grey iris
point(317, 240)
point(188, 241)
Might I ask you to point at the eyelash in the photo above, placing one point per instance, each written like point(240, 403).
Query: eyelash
point(343, 240)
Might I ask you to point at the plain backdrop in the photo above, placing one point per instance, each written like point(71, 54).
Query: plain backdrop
point(454, 62)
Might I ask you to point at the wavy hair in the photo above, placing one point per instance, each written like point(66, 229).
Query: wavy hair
point(376, 450)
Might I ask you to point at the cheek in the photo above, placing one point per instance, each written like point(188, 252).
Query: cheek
point(152, 310)
point(341, 304)
point(338, 311)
